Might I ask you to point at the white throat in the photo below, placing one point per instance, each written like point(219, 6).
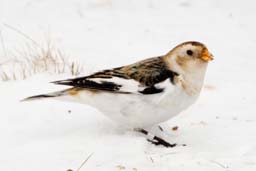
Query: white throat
point(195, 78)
point(192, 74)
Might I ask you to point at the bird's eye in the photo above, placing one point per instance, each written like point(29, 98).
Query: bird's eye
point(190, 52)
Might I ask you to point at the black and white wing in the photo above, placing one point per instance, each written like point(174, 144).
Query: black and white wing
point(144, 77)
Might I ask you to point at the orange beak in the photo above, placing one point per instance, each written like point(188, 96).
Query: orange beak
point(206, 56)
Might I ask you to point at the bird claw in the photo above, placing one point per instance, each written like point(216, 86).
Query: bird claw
point(156, 140)
point(159, 141)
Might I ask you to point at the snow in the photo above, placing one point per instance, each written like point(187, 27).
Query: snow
point(219, 130)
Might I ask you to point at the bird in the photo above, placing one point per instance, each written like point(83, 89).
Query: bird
point(143, 94)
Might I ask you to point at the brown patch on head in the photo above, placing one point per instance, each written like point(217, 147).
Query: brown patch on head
point(182, 62)
point(188, 52)
point(193, 43)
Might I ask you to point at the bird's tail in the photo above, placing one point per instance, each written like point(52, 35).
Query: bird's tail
point(49, 95)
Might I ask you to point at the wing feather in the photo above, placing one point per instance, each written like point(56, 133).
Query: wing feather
point(141, 77)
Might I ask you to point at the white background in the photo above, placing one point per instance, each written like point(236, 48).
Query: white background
point(219, 130)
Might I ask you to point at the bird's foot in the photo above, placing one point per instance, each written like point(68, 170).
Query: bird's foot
point(159, 141)
point(156, 140)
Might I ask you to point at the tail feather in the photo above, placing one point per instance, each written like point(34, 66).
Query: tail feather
point(44, 96)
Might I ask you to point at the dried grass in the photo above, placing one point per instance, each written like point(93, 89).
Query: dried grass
point(34, 58)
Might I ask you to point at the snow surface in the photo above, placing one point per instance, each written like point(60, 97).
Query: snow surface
point(219, 130)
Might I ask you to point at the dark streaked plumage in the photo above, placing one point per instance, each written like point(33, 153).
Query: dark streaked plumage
point(85, 83)
point(147, 73)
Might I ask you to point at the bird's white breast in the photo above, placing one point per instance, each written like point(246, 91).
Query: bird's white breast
point(137, 110)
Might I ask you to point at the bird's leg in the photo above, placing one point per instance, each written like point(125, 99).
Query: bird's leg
point(156, 140)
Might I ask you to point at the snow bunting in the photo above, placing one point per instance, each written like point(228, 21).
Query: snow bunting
point(145, 93)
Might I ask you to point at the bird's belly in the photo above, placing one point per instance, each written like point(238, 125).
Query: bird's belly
point(139, 111)
point(157, 109)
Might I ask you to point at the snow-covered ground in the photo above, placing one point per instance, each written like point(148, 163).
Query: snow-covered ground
point(219, 130)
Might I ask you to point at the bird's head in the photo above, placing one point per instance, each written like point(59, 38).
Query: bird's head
point(188, 58)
